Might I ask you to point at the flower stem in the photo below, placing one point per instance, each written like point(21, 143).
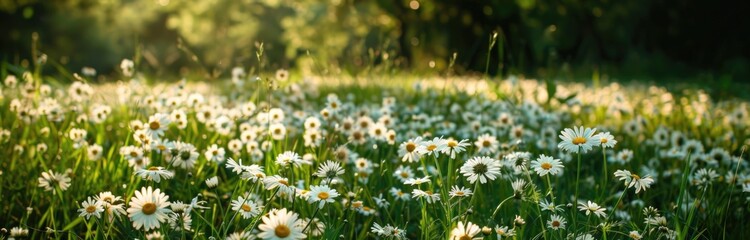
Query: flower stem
point(311, 220)
point(573, 215)
point(605, 173)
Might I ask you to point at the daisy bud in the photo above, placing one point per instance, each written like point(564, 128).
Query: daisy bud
point(519, 221)
point(486, 230)
point(212, 182)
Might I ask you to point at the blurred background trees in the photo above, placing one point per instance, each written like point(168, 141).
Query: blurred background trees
point(540, 38)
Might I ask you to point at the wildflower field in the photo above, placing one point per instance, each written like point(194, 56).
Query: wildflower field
point(283, 155)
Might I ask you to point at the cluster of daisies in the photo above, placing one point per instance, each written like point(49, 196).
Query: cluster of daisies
point(274, 159)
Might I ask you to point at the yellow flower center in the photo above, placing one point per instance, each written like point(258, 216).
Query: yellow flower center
point(579, 140)
point(452, 144)
point(432, 147)
point(91, 209)
point(246, 208)
point(154, 125)
point(153, 168)
point(410, 147)
point(404, 174)
point(460, 193)
point(604, 140)
point(282, 181)
point(323, 195)
point(635, 177)
point(546, 166)
point(149, 208)
point(282, 231)
point(486, 143)
point(464, 237)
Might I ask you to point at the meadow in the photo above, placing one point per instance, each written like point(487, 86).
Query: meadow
point(286, 155)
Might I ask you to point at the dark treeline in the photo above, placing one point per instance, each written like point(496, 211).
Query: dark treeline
point(534, 37)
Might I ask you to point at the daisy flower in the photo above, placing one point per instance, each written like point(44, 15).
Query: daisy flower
point(606, 140)
point(238, 76)
point(704, 176)
point(288, 158)
point(417, 181)
point(381, 201)
point(453, 147)
point(276, 181)
point(51, 181)
point(556, 222)
point(412, 150)
point(465, 232)
point(278, 131)
point(481, 168)
point(180, 221)
point(403, 173)
point(215, 153)
point(240, 236)
point(322, 194)
point(312, 123)
point(635, 235)
point(547, 165)
point(281, 224)
point(112, 204)
point(585, 237)
point(282, 75)
point(578, 139)
point(246, 207)
point(549, 206)
point(186, 155)
point(212, 182)
point(634, 181)
point(457, 191)
point(399, 195)
point(504, 231)
point(276, 115)
point(252, 172)
point(378, 132)
point(388, 231)
point(329, 169)
point(154, 174)
point(486, 144)
point(518, 186)
point(435, 146)
point(18, 232)
point(91, 207)
point(590, 207)
point(157, 125)
point(427, 195)
point(148, 209)
point(94, 152)
point(127, 67)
